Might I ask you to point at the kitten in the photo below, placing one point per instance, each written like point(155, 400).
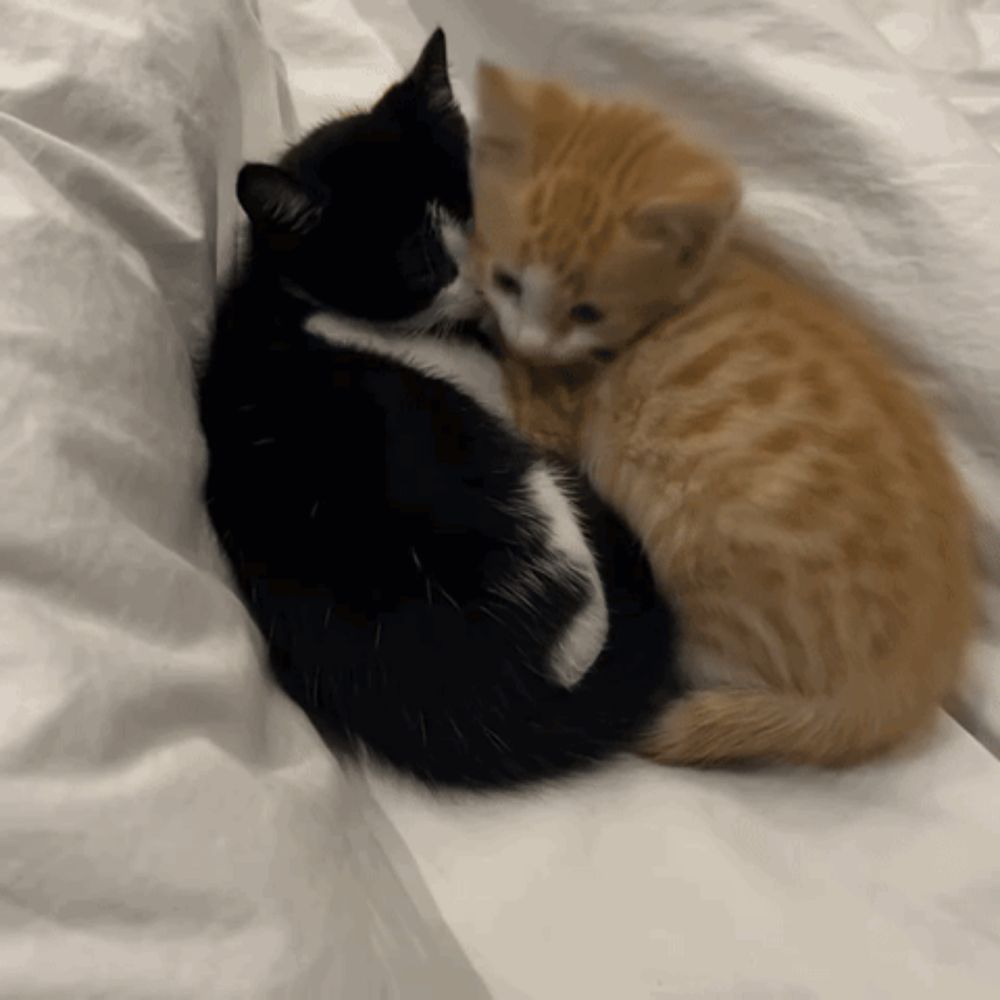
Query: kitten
point(792, 490)
point(422, 576)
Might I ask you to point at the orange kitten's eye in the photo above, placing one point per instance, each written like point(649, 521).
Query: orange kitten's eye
point(585, 312)
point(506, 282)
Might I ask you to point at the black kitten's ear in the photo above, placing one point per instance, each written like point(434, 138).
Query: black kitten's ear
point(276, 202)
point(430, 75)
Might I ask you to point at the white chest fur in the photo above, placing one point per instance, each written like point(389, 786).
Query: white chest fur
point(477, 375)
point(466, 366)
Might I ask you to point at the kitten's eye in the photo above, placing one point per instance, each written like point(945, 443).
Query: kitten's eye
point(506, 282)
point(585, 312)
point(603, 354)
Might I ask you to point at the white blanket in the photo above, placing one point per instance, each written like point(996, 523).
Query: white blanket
point(169, 825)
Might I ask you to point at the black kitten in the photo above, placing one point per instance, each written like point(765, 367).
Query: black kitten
point(420, 573)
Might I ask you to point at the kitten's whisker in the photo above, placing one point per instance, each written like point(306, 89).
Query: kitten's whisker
point(451, 600)
point(458, 732)
point(315, 686)
point(485, 609)
point(495, 738)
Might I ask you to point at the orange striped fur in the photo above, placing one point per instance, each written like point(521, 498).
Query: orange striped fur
point(790, 487)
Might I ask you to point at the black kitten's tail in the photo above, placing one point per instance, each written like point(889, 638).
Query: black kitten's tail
point(508, 738)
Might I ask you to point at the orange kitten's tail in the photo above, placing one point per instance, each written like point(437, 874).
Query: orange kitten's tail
point(724, 726)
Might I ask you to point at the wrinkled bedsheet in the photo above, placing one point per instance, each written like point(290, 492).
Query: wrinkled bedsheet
point(170, 826)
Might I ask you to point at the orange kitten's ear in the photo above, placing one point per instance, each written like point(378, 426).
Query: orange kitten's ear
point(504, 127)
point(689, 230)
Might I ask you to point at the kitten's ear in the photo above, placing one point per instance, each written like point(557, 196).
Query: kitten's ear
point(503, 130)
point(688, 230)
point(430, 74)
point(275, 202)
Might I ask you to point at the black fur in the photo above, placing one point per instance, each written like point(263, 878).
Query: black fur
point(369, 510)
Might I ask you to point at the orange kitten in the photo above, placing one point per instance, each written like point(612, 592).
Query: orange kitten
point(791, 488)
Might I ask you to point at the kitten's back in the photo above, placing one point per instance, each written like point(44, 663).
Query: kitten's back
point(821, 546)
point(790, 486)
point(383, 537)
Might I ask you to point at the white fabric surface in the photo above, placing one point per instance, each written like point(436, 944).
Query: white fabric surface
point(169, 824)
point(170, 827)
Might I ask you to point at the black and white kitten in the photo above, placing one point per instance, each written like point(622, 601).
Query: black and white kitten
point(421, 575)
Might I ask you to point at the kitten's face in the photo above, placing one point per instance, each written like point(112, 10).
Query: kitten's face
point(593, 221)
point(351, 218)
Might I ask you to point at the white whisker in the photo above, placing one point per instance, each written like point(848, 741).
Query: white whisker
point(451, 600)
point(315, 686)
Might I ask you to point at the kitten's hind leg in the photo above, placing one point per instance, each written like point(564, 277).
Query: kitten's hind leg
point(583, 640)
